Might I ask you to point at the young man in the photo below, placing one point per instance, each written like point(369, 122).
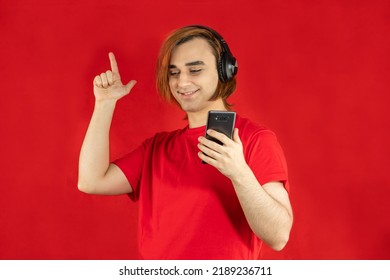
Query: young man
point(224, 209)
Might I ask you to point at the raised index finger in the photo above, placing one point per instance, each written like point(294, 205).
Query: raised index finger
point(114, 65)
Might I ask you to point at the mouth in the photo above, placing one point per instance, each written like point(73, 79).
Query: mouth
point(187, 93)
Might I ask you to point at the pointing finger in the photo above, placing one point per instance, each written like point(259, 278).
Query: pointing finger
point(114, 65)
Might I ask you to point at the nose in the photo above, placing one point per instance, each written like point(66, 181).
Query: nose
point(183, 80)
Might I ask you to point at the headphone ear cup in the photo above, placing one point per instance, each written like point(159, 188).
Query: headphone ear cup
point(227, 67)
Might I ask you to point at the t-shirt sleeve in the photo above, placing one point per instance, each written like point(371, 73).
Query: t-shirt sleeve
point(266, 158)
point(131, 165)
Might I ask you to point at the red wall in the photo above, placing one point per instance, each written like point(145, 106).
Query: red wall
point(316, 72)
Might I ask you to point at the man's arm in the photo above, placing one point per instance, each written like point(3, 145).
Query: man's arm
point(267, 208)
point(96, 174)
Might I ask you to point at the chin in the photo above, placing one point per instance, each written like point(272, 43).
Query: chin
point(189, 108)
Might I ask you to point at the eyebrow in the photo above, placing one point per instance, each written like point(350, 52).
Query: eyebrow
point(193, 63)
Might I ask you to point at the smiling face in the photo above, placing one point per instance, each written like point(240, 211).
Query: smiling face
point(193, 77)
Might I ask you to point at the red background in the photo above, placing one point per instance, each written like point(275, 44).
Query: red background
point(316, 72)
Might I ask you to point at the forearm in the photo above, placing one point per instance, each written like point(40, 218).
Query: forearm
point(95, 152)
point(269, 219)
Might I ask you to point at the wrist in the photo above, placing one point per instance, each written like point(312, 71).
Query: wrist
point(105, 103)
point(240, 178)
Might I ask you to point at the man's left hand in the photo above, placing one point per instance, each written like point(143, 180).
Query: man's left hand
point(227, 158)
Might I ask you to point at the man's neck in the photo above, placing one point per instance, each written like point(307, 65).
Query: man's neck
point(199, 118)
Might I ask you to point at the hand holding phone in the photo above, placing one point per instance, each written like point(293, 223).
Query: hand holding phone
point(221, 121)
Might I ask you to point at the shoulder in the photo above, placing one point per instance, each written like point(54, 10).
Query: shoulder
point(249, 130)
point(256, 138)
point(262, 151)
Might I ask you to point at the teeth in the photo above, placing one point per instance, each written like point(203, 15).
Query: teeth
point(188, 93)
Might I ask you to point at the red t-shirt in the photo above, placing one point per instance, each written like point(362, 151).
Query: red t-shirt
point(189, 210)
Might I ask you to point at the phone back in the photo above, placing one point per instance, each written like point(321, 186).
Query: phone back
point(221, 121)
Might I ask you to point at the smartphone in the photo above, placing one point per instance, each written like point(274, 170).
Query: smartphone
point(221, 121)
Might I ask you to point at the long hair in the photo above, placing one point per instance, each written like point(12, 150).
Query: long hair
point(178, 37)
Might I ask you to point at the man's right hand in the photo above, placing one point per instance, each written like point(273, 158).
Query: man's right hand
point(108, 85)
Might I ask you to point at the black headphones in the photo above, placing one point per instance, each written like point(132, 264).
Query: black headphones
point(227, 65)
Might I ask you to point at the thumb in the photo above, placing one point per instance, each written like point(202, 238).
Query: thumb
point(130, 85)
point(236, 137)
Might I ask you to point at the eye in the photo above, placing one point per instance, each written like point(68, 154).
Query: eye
point(195, 71)
point(173, 73)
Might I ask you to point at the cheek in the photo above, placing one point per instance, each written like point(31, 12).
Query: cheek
point(212, 83)
point(173, 89)
point(171, 84)
point(213, 79)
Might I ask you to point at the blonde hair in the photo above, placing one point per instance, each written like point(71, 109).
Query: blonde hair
point(178, 37)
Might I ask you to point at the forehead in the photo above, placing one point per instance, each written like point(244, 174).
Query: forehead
point(197, 49)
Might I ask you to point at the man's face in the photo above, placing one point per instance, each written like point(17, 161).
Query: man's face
point(193, 76)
